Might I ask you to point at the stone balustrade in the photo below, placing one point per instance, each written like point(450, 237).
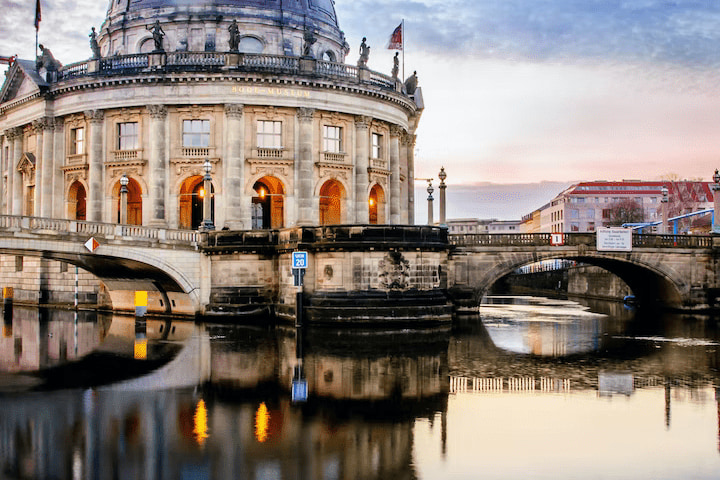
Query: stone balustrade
point(575, 239)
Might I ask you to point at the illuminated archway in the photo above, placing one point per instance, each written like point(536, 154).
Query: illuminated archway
point(332, 195)
point(376, 204)
point(134, 202)
point(192, 198)
point(76, 201)
point(268, 203)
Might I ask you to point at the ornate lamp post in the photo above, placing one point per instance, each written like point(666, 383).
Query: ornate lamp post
point(716, 202)
point(664, 201)
point(442, 176)
point(207, 223)
point(430, 199)
point(124, 180)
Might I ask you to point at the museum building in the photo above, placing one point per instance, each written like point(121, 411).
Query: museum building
point(254, 93)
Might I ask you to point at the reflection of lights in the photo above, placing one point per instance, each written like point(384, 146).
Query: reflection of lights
point(140, 351)
point(201, 193)
point(262, 421)
point(201, 423)
point(7, 331)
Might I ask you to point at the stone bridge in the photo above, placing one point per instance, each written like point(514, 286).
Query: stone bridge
point(393, 269)
point(677, 271)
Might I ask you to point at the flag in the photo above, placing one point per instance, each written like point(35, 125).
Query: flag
point(38, 15)
point(396, 39)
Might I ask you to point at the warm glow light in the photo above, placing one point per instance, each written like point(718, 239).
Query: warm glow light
point(201, 423)
point(140, 351)
point(262, 420)
point(372, 202)
point(262, 193)
point(201, 192)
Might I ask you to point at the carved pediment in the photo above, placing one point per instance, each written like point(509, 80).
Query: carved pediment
point(26, 162)
point(22, 80)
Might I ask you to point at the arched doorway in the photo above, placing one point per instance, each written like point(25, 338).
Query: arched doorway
point(268, 204)
point(134, 202)
point(376, 205)
point(192, 198)
point(332, 194)
point(76, 209)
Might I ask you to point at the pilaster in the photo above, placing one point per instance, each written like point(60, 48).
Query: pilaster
point(95, 119)
point(395, 132)
point(156, 165)
point(305, 168)
point(362, 162)
point(237, 208)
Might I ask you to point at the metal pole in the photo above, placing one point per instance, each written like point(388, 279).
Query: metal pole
point(716, 202)
point(430, 199)
point(442, 176)
point(664, 205)
point(207, 223)
point(123, 199)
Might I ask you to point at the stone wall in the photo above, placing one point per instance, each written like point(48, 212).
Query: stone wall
point(595, 282)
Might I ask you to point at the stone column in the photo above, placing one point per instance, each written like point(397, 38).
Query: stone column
point(95, 119)
point(45, 175)
point(58, 181)
point(362, 162)
point(156, 165)
point(38, 126)
point(4, 162)
point(410, 139)
point(237, 207)
point(17, 187)
point(305, 169)
point(395, 133)
point(10, 135)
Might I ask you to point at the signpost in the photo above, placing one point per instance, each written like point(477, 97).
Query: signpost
point(557, 239)
point(614, 240)
point(299, 265)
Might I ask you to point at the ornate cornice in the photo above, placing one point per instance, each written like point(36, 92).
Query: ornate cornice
point(94, 116)
point(409, 139)
point(234, 110)
point(44, 123)
point(305, 114)
point(13, 133)
point(362, 122)
point(157, 111)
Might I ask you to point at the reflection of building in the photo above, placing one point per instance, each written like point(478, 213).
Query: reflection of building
point(586, 206)
point(294, 135)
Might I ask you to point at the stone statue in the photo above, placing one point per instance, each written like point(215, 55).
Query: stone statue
point(396, 65)
point(411, 83)
point(94, 44)
point(47, 60)
point(158, 35)
point(309, 41)
point(234, 36)
point(364, 54)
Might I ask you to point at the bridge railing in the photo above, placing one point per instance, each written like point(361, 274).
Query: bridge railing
point(57, 225)
point(575, 239)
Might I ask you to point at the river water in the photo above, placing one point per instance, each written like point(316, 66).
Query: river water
point(529, 388)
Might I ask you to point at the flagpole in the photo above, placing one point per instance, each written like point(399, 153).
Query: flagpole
point(403, 49)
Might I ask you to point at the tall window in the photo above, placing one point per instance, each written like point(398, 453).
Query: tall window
point(77, 141)
point(127, 136)
point(376, 145)
point(332, 137)
point(196, 133)
point(269, 134)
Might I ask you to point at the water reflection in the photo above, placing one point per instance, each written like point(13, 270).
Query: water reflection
point(626, 395)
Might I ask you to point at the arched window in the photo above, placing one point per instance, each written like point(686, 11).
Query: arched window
point(268, 203)
point(134, 202)
point(376, 205)
point(192, 198)
point(332, 195)
point(76, 201)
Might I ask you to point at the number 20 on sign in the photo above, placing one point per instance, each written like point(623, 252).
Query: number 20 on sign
point(299, 259)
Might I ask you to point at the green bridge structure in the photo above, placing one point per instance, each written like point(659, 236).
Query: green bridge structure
point(356, 273)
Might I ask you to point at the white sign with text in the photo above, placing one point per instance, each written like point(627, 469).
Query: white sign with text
point(614, 240)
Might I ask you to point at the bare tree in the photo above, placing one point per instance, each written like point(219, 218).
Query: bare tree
point(625, 210)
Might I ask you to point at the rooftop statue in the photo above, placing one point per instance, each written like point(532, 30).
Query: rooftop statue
point(396, 65)
point(158, 35)
point(234, 36)
point(364, 54)
point(94, 44)
point(309, 41)
point(411, 83)
point(47, 60)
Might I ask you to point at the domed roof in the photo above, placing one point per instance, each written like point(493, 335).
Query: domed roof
point(317, 10)
point(276, 24)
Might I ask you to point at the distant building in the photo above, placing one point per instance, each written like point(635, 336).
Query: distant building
point(504, 226)
point(586, 206)
point(475, 225)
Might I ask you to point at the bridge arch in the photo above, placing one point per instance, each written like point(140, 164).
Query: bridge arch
point(650, 280)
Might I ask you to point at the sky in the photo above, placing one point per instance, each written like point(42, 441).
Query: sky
point(521, 96)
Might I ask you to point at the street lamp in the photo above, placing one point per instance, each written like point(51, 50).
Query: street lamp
point(124, 180)
point(716, 202)
point(207, 223)
point(664, 201)
point(430, 191)
point(442, 176)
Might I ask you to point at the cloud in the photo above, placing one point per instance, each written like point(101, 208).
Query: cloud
point(678, 33)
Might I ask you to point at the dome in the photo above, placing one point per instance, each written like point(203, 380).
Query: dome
point(273, 27)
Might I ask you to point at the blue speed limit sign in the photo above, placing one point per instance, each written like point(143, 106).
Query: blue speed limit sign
point(299, 259)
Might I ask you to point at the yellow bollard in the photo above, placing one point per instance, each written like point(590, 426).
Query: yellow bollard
point(141, 301)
